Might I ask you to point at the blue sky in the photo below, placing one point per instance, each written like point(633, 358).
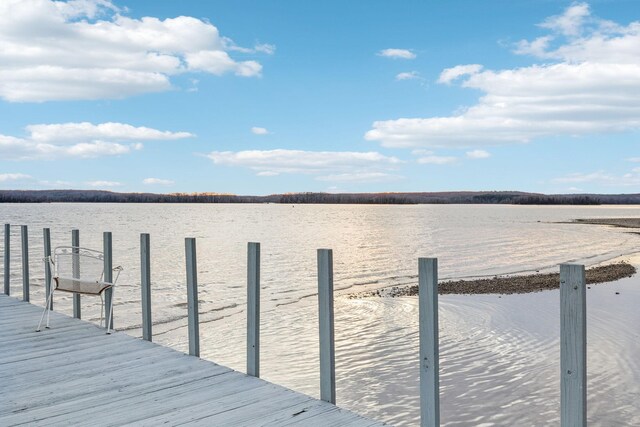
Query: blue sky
point(268, 97)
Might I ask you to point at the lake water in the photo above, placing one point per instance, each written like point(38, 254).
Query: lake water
point(499, 355)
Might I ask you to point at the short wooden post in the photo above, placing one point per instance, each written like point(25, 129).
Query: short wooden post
point(24, 234)
point(107, 245)
point(75, 262)
point(253, 309)
point(192, 296)
point(325, 317)
point(7, 259)
point(573, 346)
point(429, 349)
point(46, 239)
point(145, 285)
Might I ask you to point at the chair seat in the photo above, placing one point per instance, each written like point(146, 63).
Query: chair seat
point(79, 286)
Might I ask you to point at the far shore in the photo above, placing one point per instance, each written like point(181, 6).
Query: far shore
point(510, 284)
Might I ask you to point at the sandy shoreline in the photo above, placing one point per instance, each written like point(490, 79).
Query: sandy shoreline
point(520, 284)
point(510, 284)
point(615, 222)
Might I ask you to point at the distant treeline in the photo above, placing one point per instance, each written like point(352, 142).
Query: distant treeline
point(457, 197)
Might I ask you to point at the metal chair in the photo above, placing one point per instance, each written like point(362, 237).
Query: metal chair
point(80, 271)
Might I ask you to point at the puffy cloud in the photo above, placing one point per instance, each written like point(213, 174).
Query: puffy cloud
point(478, 154)
point(397, 53)
point(86, 49)
point(629, 179)
point(49, 141)
point(259, 131)
point(592, 87)
point(157, 181)
point(5, 177)
point(360, 177)
point(450, 74)
point(103, 184)
point(409, 75)
point(570, 23)
point(437, 160)
point(329, 164)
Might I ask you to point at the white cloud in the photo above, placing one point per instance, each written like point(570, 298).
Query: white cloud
point(103, 184)
point(87, 49)
point(272, 162)
point(437, 160)
point(409, 75)
point(592, 85)
point(634, 159)
point(570, 22)
point(360, 177)
point(629, 179)
point(50, 141)
point(450, 74)
point(397, 53)
point(259, 131)
point(478, 154)
point(157, 181)
point(5, 177)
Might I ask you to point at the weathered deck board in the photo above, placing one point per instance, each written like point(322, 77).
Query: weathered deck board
point(76, 374)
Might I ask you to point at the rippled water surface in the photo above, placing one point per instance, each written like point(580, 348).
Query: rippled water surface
point(499, 355)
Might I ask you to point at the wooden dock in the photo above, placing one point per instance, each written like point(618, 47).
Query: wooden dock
point(75, 374)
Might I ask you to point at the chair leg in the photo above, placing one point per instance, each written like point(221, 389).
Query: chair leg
point(101, 310)
point(110, 313)
point(46, 311)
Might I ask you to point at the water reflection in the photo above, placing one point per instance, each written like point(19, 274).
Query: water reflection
point(499, 356)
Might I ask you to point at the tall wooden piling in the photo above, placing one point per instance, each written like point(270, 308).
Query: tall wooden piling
point(24, 237)
point(145, 285)
point(7, 259)
point(325, 317)
point(253, 309)
point(46, 243)
point(573, 346)
point(192, 296)
point(107, 243)
point(429, 347)
point(75, 243)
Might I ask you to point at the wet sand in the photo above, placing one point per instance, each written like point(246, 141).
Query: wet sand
point(615, 222)
point(510, 284)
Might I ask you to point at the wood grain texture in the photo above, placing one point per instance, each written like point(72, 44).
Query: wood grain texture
point(429, 342)
point(325, 317)
point(7, 259)
point(253, 309)
point(145, 285)
point(192, 296)
point(117, 379)
point(573, 346)
point(24, 238)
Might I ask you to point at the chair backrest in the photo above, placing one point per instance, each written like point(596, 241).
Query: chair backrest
point(79, 263)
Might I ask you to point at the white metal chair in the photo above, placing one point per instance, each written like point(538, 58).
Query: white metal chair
point(80, 271)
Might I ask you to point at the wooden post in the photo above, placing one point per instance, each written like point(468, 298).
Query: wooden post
point(7, 259)
point(145, 285)
point(573, 346)
point(46, 239)
point(108, 274)
point(429, 349)
point(192, 296)
point(75, 242)
point(24, 234)
point(253, 309)
point(325, 317)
